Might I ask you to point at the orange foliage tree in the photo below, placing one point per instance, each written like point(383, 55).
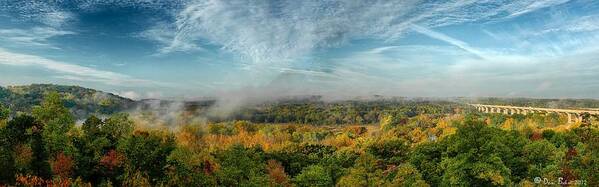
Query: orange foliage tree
point(62, 165)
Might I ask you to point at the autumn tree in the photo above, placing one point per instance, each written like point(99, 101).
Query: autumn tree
point(117, 126)
point(7, 162)
point(314, 175)
point(543, 159)
point(91, 146)
point(408, 175)
point(24, 131)
point(427, 158)
point(57, 121)
point(187, 167)
point(364, 173)
point(276, 174)
point(146, 152)
point(240, 166)
point(91, 126)
point(481, 155)
point(296, 157)
point(4, 114)
point(391, 151)
point(62, 166)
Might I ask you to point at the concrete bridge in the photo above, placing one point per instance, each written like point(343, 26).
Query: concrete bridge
point(573, 115)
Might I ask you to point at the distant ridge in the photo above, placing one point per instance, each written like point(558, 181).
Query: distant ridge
point(85, 101)
point(81, 101)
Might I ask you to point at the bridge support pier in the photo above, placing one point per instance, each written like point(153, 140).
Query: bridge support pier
point(569, 117)
point(573, 115)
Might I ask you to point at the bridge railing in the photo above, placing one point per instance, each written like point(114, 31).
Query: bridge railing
point(573, 115)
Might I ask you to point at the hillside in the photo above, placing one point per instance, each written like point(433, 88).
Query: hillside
point(84, 101)
point(81, 101)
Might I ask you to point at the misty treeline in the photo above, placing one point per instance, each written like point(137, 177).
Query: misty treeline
point(82, 102)
point(542, 103)
point(315, 111)
point(336, 113)
point(433, 145)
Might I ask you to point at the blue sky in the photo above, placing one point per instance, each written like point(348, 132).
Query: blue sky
point(206, 48)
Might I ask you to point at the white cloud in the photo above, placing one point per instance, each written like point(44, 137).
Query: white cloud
point(37, 36)
point(130, 94)
point(45, 12)
point(272, 34)
point(56, 18)
point(59, 13)
point(588, 23)
point(70, 71)
point(527, 7)
point(168, 39)
point(448, 39)
point(279, 31)
point(135, 95)
point(530, 70)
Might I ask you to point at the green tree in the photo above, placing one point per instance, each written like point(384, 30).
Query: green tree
point(189, 168)
point(91, 126)
point(543, 159)
point(52, 110)
point(7, 162)
point(478, 156)
point(314, 175)
point(57, 122)
point(339, 162)
point(585, 155)
point(117, 126)
point(364, 173)
point(296, 157)
point(427, 158)
point(391, 151)
point(242, 166)
point(4, 114)
point(24, 129)
point(389, 121)
point(147, 152)
point(408, 175)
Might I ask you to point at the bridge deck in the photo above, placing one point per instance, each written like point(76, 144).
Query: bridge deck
point(594, 112)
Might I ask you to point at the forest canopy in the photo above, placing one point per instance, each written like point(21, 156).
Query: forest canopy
point(405, 144)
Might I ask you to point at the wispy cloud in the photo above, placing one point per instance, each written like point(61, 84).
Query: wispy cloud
point(277, 31)
point(586, 23)
point(135, 95)
point(56, 18)
point(169, 40)
point(285, 45)
point(280, 31)
point(37, 36)
point(443, 37)
point(526, 7)
point(45, 12)
point(440, 71)
point(70, 71)
point(61, 12)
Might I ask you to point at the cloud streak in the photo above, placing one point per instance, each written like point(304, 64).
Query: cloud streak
point(36, 37)
point(335, 47)
point(279, 31)
point(70, 71)
point(168, 40)
point(448, 39)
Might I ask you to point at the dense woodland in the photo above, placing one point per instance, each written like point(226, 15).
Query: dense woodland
point(378, 143)
point(82, 102)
